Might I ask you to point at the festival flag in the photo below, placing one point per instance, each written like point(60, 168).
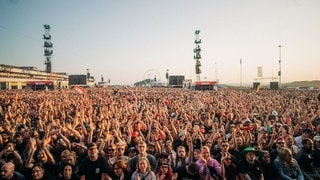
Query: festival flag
point(82, 91)
point(258, 88)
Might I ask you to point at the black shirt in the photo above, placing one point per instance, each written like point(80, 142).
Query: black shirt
point(93, 170)
point(253, 170)
point(183, 174)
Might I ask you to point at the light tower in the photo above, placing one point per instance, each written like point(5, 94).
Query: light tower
point(47, 47)
point(197, 55)
point(279, 73)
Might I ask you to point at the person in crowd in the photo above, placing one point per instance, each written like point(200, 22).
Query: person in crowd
point(110, 151)
point(229, 169)
point(268, 168)
point(151, 148)
point(119, 171)
point(44, 157)
point(132, 151)
point(143, 170)
point(287, 166)
point(163, 158)
point(38, 172)
point(182, 158)
point(190, 171)
point(164, 172)
point(142, 147)
point(224, 149)
point(305, 160)
point(94, 166)
point(249, 167)
point(208, 166)
point(69, 172)
point(316, 152)
point(291, 144)
point(8, 172)
point(196, 155)
point(9, 153)
point(120, 150)
point(306, 150)
point(306, 133)
point(280, 143)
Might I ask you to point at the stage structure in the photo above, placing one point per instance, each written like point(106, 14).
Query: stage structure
point(47, 47)
point(197, 55)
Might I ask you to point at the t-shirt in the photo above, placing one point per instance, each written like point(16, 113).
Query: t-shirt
point(93, 170)
point(253, 170)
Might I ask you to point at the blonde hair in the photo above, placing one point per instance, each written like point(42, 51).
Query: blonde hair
point(283, 153)
point(205, 147)
point(143, 159)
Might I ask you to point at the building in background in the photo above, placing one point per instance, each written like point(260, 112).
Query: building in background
point(14, 77)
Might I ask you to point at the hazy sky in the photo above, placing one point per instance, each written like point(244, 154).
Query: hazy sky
point(131, 40)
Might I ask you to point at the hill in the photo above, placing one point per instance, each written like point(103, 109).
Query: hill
point(315, 83)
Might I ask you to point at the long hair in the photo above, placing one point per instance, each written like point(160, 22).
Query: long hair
point(183, 159)
point(169, 173)
point(143, 159)
point(121, 164)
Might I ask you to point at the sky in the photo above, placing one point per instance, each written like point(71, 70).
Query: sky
point(127, 41)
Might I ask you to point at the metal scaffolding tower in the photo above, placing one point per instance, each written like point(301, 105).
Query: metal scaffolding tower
point(47, 47)
point(197, 55)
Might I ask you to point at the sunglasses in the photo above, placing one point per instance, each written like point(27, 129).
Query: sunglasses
point(111, 149)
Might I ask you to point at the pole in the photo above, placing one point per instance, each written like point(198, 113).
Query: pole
point(216, 71)
point(279, 73)
point(240, 72)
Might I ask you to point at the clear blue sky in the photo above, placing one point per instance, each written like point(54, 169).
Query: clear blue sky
point(130, 40)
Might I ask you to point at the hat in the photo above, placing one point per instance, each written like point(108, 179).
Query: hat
point(265, 129)
point(61, 141)
point(134, 134)
point(151, 144)
point(250, 149)
point(246, 121)
point(181, 133)
point(91, 145)
point(275, 113)
point(132, 149)
point(316, 138)
point(303, 122)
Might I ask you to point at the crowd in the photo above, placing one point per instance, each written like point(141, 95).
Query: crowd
point(159, 133)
